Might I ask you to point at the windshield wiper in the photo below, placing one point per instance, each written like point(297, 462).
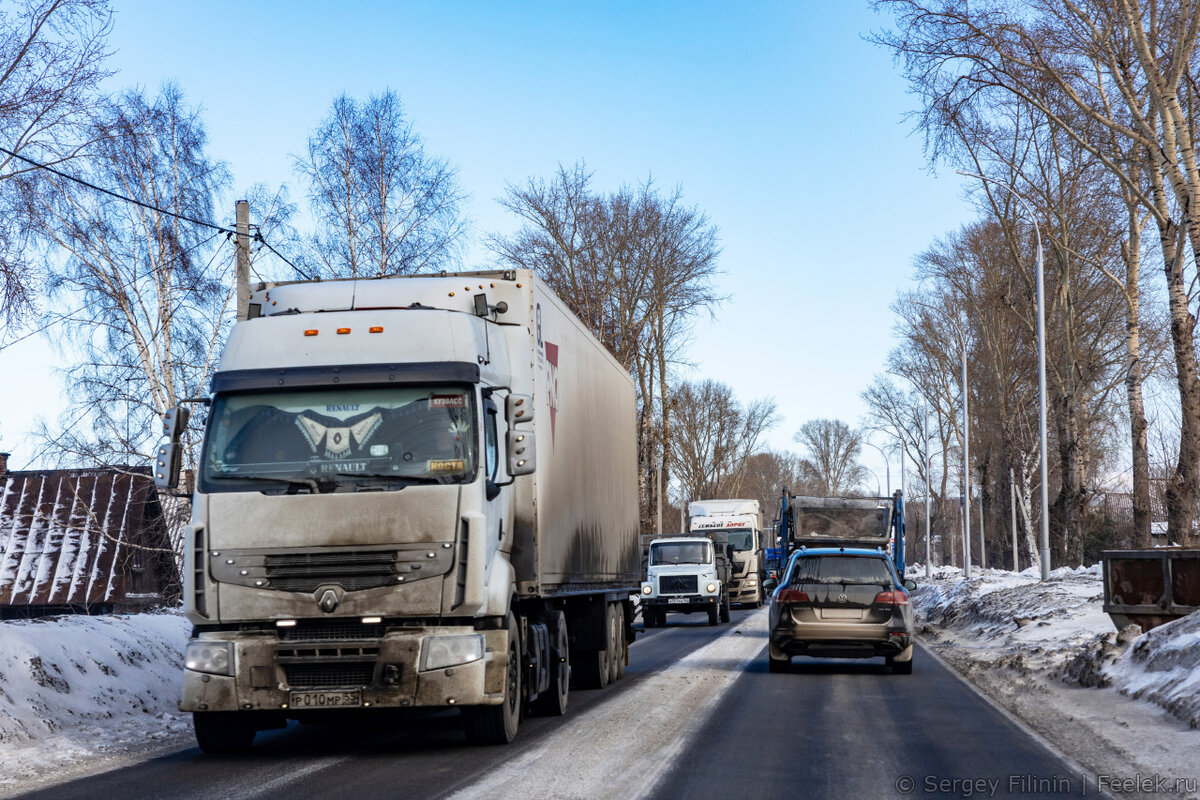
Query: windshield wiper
point(291, 483)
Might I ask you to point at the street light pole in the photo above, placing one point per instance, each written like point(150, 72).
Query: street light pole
point(887, 467)
point(1041, 334)
point(928, 491)
point(962, 342)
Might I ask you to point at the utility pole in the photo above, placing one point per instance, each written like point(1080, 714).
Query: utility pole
point(1012, 496)
point(982, 542)
point(966, 462)
point(1041, 338)
point(928, 491)
point(658, 493)
point(243, 259)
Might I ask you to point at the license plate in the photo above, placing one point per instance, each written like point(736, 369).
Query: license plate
point(677, 600)
point(326, 699)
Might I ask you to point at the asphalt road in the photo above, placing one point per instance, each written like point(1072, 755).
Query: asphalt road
point(827, 729)
point(851, 729)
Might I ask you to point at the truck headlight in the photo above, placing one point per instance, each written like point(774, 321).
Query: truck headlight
point(215, 658)
point(647, 588)
point(440, 652)
point(712, 587)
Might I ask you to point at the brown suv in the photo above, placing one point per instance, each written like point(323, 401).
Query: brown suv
point(841, 603)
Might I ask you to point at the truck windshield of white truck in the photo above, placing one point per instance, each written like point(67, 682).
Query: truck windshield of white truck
point(340, 439)
point(681, 553)
point(742, 539)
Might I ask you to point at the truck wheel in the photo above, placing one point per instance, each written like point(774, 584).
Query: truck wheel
point(553, 701)
point(714, 615)
point(620, 651)
point(498, 724)
point(647, 617)
point(725, 610)
point(224, 731)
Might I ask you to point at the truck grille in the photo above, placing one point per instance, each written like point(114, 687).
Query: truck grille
point(338, 675)
point(333, 630)
point(304, 572)
point(676, 584)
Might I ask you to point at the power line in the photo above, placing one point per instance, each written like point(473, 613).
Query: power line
point(258, 238)
point(257, 235)
point(111, 193)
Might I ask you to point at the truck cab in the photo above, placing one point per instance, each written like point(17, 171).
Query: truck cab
point(687, 574)
point(741, 523)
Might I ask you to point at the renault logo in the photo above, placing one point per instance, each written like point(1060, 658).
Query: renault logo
point(329, 601)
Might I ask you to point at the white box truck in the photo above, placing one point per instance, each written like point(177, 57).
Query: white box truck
point(741, 520)
point(413, 493)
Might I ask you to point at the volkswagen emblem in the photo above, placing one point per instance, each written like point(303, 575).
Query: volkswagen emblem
point(841, 598)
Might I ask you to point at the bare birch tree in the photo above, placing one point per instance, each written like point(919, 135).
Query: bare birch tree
point(52, 55)
point(383, 205)
point(146, 292)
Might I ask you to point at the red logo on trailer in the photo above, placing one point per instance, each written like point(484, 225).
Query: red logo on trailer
point(552, 400)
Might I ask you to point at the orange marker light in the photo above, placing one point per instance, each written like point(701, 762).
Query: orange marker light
point(311, 332)
point(376, 329)
point(343, 331)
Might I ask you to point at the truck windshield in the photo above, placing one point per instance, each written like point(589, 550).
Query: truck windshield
point(323, 439)
point(681, 553)
point(843, 523)
point(741, 539)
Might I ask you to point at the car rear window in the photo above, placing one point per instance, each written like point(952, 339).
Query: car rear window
point(841, 569)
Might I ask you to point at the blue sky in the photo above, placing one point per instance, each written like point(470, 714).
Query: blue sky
point(777, 120)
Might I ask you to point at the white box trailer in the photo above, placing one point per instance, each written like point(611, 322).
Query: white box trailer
point(414, 492)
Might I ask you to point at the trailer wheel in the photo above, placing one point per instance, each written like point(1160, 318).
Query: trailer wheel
point(553, 701)
point(224, 731)
point(620, 652)
point(616, 641)
point(498, 724)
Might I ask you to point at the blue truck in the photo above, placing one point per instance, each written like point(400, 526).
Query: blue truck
point(872, 522)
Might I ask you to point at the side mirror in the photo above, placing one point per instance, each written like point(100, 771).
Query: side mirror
point(521, 453)
point(770, 585)
point(518, 408)
point(170, 454)
point(910, 584)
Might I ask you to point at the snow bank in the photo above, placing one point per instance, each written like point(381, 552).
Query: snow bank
point(74, 687)
point(1058, 628)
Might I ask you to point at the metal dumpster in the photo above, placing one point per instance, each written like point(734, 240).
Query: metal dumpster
point(1151, 587)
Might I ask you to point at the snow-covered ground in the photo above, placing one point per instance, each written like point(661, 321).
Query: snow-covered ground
point(78, 690)
point(1120, 703)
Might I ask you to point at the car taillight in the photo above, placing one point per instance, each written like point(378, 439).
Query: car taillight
point(791, 596)
point(895, 597)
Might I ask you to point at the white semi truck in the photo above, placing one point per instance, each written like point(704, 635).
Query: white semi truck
point(741, 520)
point(413, 493)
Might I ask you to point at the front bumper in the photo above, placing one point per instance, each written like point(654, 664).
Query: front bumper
point(383, 671)
point(681, 603)
point(744, 590)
